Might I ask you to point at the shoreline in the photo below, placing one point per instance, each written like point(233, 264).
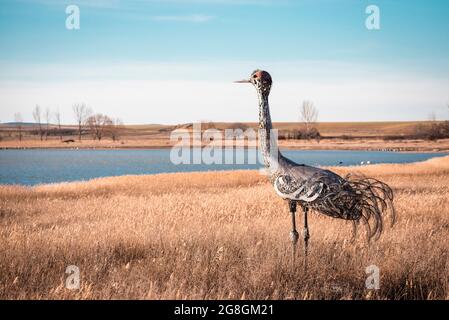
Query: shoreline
point(373, 144)
point(329, 147)
point(282, 148)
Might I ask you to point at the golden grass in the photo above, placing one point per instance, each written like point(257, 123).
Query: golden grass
point(217, 235)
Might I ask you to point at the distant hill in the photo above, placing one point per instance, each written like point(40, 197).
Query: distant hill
point(14, 124)
point(329, 129)
point(326, 129)
point(374, 128)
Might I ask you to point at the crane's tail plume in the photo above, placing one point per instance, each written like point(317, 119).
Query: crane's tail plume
point(359, 199)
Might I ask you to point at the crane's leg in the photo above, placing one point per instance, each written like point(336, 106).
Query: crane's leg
point(306, 233)
point(294, 236)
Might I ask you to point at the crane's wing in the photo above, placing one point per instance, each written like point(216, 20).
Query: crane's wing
point(353, 197)
point(301, 182)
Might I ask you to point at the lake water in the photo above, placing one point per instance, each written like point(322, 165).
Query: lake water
point(37, 166)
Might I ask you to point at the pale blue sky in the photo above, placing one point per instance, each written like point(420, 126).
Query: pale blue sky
point(149, 61)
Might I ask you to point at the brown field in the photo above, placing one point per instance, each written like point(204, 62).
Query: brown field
point(335, 135)
point(218, 235)
point(374, 128)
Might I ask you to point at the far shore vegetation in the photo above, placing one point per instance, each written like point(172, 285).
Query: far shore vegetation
point(96, 130)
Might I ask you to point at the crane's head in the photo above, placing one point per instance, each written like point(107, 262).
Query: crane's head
point(261, 80)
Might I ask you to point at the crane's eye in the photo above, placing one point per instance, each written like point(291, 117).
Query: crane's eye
point(254, 76)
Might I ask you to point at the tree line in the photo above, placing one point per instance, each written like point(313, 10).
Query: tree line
point(98, 125)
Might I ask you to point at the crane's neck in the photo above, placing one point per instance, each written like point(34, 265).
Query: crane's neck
point(267, 141)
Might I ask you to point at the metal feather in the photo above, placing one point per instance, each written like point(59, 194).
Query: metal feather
point(360, 199)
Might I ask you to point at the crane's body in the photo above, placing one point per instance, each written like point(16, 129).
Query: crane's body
point(349, 198)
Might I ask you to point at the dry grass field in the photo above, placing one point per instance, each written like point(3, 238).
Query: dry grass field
point(217, 235)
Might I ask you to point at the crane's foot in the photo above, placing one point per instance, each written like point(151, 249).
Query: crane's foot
point(294, 236)
point(306, 236)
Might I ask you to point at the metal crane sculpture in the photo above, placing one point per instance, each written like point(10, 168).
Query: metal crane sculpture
point(354, 198)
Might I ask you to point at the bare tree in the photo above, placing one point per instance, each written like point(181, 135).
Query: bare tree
point(37, 118)
point(18, 119)
point(82, 113)
point(58, 121)
point(431, 130)
point(47, 122)
point(98, 124)
point(115, 129)
point(308, 116)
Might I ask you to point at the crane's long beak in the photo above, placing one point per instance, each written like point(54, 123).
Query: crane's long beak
point(242, 81)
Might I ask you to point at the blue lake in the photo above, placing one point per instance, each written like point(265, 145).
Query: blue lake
point(37, 166)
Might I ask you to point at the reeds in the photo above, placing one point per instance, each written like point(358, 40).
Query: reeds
point(217, 236)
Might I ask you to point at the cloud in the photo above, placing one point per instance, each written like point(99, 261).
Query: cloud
point(166, 101)
point(156, 92)
point(195, 18)
point(178, 93)
point(324, 71)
